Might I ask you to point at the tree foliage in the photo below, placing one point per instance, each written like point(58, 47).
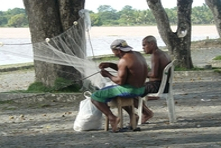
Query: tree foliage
point(127, 16)
point(13, 18)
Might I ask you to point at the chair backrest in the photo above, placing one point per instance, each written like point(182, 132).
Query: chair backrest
point(168, 73)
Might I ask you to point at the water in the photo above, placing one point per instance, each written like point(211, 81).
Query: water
point(14, 54)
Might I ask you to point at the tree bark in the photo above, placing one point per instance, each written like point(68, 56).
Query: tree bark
point(215, 7)
point(46, 20)
point(178, 43)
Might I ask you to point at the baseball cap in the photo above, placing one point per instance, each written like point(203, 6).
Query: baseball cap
point(120, 44)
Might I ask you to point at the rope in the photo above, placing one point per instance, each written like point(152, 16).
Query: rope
point(90, 43)
point(19, 44)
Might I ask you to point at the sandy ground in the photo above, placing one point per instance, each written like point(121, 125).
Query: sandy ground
point(38, 122)
point(49, 123)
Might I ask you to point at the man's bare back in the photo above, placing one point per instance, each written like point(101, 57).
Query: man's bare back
point(136, 68)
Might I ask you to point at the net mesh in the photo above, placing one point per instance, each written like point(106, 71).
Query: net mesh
point(70, 49)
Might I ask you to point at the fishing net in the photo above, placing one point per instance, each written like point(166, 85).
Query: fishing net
point(70, 49)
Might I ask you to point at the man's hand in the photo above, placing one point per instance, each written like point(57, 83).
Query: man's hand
point(104, 73)
point(104, 65)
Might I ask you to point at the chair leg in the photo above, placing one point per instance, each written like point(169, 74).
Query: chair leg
point(120, 115)
point(106, 124)
point(171, 108)
point(133, 118)
point(140, 105)
point(120, 103)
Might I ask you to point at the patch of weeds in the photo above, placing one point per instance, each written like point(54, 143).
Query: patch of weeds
point(7, 102)
point(44, 105)
point(217, 58)
point(38, 87)
point(64, 85)
point(60, 85)
point(217, 70)
point(185, 69)
point(9, 108)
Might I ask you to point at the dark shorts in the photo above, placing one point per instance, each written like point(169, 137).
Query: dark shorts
point(153, 87)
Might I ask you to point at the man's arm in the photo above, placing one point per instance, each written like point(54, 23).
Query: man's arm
point(121, 76)
point(108, 65)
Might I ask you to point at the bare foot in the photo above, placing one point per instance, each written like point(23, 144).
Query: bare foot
point(146, 117)
point(114, 124)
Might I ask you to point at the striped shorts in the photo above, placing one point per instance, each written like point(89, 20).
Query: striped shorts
point(108, 93)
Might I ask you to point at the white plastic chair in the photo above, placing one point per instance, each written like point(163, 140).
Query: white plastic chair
point(161, 94)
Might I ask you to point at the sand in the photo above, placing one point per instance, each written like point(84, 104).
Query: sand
point(46, 120)
point(37, 122)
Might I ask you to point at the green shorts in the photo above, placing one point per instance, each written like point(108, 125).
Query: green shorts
point(108, 93)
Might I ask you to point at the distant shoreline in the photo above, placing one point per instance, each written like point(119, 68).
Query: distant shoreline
point(114, 31)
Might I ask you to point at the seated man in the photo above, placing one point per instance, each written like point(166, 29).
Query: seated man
point(159, 60)
point(131, 76)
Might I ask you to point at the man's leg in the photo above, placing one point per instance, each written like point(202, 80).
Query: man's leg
point(128, 109)
point(103, 107)
point(147, 113)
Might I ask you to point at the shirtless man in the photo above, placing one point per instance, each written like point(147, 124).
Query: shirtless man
point(159, 61)
point(130, 78)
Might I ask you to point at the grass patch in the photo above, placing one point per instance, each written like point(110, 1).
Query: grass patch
point(60, 85)
point(7, 102)
point(185, 69)
point(217, 70)
point(38, 87)
point(64, 85)
point(217, 58)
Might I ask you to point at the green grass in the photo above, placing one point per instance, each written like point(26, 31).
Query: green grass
point(217, 58)
point(185, 69)
point(217, 70)
point(6, 102)
point(60, 85)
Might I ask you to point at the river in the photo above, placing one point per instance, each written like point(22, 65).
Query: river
point(14, 51)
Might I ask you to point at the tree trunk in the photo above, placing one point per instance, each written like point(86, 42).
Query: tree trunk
point(215, 7)
point(178, 43)
point(46, 20)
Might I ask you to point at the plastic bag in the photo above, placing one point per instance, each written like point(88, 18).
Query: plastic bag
point(88, 117)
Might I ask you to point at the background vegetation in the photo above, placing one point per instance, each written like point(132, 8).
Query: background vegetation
point(108, 16)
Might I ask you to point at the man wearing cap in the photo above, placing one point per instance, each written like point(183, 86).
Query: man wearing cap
point(131, 70)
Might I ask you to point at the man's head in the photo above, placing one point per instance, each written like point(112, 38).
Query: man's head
point(120, 44)
point(149, 44)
